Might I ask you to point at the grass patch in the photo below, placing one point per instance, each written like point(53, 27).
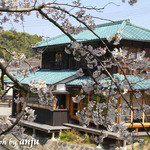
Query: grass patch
point(75, 137)
point(146, 146)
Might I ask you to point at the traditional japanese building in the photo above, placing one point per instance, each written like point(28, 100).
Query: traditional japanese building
point(59, 69)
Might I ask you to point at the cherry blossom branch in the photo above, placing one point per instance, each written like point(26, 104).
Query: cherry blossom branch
point(33, 8)
point(56, 24)
point(11, 55)
point(89, 71)
point(12, 78)
point(18, 118)
point(6, 50)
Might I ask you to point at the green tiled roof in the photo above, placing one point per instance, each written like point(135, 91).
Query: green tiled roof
point(55, 76)
point(50, 76)
point(140, 83)
point(130, 31)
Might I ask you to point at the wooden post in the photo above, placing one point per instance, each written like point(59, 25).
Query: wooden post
point(98, 99)
point(88, 102)
point(73, 91)
point(34, 134)
point(68, 101)
point(54, 107)
point(88, 98)
point(143, 102)
point(71, 107)
point(137, 129)
point(53, 136)
point(125, 70)
point(18, 107)
point(60, 134)
point(119, 110)
point(131, 99)
point(124, 145)
point(78, 106)
point(97, 127)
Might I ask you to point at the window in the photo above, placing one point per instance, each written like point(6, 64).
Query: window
point(58, 59)
point(83, 103)
point(128, 117)
point(73, 63)
point(91, 97)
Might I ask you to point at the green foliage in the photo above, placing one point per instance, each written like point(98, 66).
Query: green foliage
point(69, 136)
point(146, 146)
point(147, 139)
point(87, 138)
point(75, 137)
point(1, 92)
point(19, 42)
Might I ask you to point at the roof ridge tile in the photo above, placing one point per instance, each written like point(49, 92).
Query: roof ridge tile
point(138, 26)
point(112, 23)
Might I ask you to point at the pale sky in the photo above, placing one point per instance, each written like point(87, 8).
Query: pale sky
point(138, 14)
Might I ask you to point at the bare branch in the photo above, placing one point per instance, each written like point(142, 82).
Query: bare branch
point(56, 24)
point(85, 7)
point(103, 19)
point(18, 9)
point(109, 4)
point(12, 54)
point(18, 118)
point(6, 91)
point(2, 80)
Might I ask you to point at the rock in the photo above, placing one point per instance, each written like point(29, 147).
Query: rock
point(72, 146)
point(64, 144)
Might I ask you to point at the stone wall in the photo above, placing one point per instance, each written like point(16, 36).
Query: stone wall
point(47, 144)
point(57, 145)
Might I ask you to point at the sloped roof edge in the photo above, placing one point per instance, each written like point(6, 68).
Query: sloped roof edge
point(114, 25)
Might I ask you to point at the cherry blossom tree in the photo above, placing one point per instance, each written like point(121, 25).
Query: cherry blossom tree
point(59, 14)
